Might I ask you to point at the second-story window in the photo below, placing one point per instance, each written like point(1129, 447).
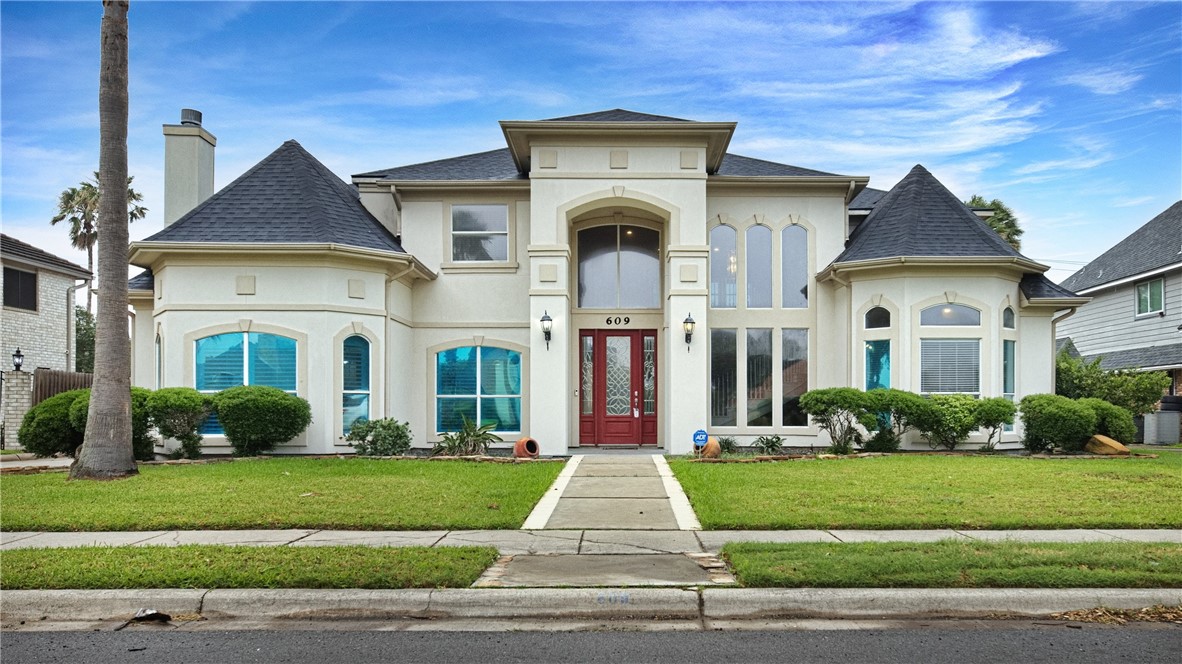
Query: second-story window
point(479, 233)
point(1149, 297)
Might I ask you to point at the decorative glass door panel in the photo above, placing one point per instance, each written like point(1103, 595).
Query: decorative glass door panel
point(618, 387)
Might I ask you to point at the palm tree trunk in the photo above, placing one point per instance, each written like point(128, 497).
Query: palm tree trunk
point(106, 447)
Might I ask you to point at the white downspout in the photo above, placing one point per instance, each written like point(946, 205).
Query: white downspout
point(1054, 324)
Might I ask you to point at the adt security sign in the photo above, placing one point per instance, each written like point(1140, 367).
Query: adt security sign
point(700, 437)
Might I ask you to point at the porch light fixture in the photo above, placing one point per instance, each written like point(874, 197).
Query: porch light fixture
point(18, 358)
point(688, 326)
point(547, 326)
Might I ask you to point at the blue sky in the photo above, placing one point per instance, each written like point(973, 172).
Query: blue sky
point(1069, 112)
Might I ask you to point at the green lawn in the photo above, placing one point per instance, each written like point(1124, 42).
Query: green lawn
point(909, 492)
point(357, 494)
point(956, 564)
point(203, 566)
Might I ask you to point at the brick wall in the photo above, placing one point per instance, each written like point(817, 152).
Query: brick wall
point(17, 399)
point(42, 334)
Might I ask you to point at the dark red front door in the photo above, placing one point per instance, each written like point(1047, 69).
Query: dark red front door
point(618, 387)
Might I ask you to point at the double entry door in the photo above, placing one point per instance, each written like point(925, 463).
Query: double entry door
point(617, 387)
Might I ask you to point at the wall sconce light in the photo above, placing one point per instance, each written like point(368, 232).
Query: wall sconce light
point(547, 326)
point(18, 358)
point(688, 325)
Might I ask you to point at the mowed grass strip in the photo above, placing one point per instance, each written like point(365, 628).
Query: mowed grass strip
point(912, 492)
point(956, 564)
point(352, 494)
point(215, 566)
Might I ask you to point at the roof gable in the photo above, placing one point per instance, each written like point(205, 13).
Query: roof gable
point(12, 248)
point(616, 115)
point(288, 197)
point(920, 217)
point(1155, 245)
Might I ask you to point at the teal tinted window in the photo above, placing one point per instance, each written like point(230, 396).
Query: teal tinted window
point(479, 383)
point(219, 362)
point(272, 361)
point(354, 382)
point(878, 364)
point(239, 358)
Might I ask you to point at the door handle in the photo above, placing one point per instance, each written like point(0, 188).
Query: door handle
point(635, 403)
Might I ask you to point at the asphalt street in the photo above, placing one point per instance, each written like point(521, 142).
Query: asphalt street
point(963, 642)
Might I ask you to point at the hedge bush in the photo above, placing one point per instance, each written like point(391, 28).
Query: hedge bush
point(142, 441)
point(839, 411)
point(177, 413)
point(1111, 420)
point(1054, 421)
point(385, 437)
point(949, 421)
point(895, 413)
point(993, 415)
point(46, 428)
point(256, 418)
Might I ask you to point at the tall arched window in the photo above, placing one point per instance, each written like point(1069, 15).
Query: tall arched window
point(759, 267)
point(950, 314)
point(244, 358)
point(794, 267)
point(481, 384)
point(619, 268)
point(724, 264)
point(355, 385)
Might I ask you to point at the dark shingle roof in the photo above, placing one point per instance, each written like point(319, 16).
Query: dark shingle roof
point(867, 199)
point(491, 165)
point(1037, 286)
point(142, 281)
point(616, 115)
point(1066, 344)
point(738, 165)
point(11, 247)
point(1155, 245)
point(920, 217)
point(287, 197)
point(1167, 355)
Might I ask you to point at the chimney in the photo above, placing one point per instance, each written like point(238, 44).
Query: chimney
point(188, 165)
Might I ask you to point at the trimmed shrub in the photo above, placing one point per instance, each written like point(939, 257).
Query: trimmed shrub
point(839, 411)
point(1052, 421)
point(949, 421)
point(46, 428)
point(256, 418)
point(895, 413)
point(770, 445)
point(177, 412)
point(142, 442)
point(1112, 421)
point(992, 415)
point(385, 437)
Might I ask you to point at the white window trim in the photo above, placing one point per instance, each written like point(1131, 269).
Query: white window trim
point(1137, 297)
point(510, 264)
point(433, 385)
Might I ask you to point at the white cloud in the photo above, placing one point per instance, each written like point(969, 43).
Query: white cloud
point(1109, 81)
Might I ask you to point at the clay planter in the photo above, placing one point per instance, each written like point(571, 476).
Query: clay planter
point(526, 448)
point(712, 450)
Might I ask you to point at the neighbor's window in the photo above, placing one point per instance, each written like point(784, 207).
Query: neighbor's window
point(724, 263)
point(244, 358)
point(481, 384)
point(949, 366)
point(759, 267)
point(1149, 296)
point(479, 233)
point(20, 289)
point(950, 314)
point(354, 382)
point(794, 267)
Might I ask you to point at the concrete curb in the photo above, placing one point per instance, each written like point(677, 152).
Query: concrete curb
point(619, 603)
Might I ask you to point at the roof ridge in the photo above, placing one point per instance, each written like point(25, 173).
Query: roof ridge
point(382, 171)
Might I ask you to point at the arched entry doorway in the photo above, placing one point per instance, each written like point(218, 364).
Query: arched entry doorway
point(618, 298)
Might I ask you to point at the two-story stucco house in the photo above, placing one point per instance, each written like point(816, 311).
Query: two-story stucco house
point(1134, 320)
point(612, 278)
point(39, 290)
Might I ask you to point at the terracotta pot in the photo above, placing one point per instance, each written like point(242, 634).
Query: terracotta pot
point(526, 448)
point(711, 450)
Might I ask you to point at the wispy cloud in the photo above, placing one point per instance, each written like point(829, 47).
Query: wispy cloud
point(1108, 81)
point(1085, 153)
point(1133, 202)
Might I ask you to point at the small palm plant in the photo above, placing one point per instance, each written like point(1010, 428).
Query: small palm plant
point(469, 440)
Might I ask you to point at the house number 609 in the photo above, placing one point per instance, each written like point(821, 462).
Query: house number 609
point(618, 320)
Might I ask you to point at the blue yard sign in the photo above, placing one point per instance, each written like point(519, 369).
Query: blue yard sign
point(700, 437)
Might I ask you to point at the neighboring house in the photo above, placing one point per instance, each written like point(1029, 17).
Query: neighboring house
point(1134, 320)
point(612, 278)
point(39, 290)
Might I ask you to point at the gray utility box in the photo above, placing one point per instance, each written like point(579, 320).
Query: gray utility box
point(1162, 427)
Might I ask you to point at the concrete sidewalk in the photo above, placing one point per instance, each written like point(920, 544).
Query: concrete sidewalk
point(558, 542)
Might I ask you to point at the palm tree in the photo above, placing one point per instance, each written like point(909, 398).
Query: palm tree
point(1003, 220)
point(79, 206)
point(106, 446)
